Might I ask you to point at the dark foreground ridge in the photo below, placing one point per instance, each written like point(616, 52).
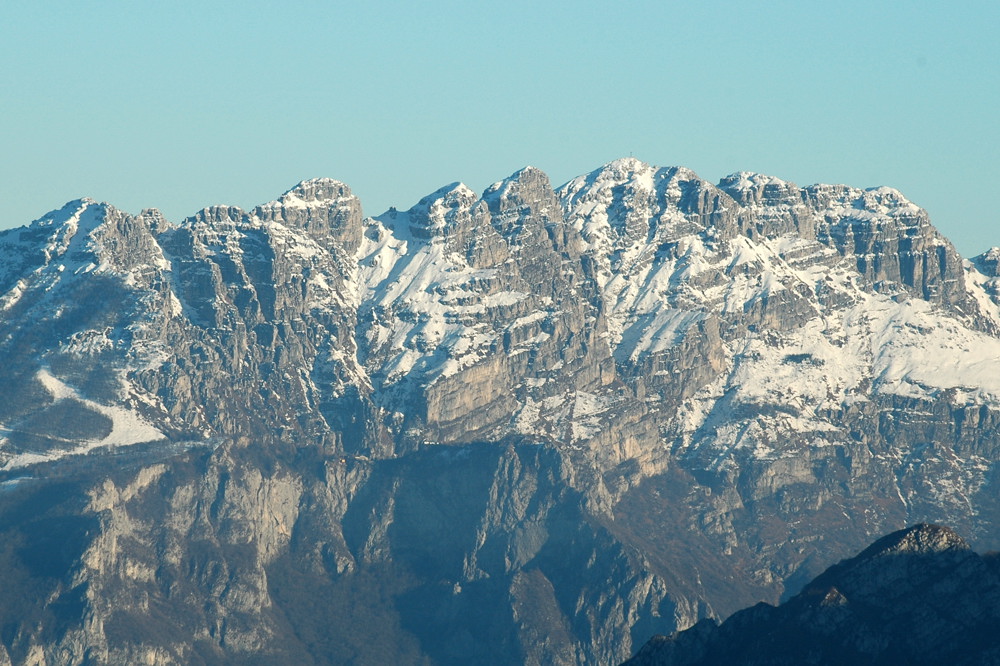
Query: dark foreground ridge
point(916, 596)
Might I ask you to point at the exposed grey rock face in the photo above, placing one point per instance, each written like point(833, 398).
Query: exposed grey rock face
point(324, 208)
point(531, 426)
point(989, 262)
point(917, 596)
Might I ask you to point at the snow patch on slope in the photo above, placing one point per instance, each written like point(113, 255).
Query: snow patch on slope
point(128, 427)
point(423, 304)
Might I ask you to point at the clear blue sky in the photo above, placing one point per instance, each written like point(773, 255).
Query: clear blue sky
point(178, 105)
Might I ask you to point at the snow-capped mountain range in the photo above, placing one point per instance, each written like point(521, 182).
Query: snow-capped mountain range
point(773, 374)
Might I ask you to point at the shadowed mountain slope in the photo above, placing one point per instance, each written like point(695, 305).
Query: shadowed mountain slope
point(917, 596)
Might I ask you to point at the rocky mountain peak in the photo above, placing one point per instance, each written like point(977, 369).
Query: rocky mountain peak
point(626, 164)
point(898, 562)
point(154, 218)
point(217, 217)
point(524, 210)
point(750, 188)
point(62, 215)
point(315, 193)
point(988, 262)
point(626, 172)
point(85, 231)
point(621, 171)
point(885, 199)
point(921, 539)
point(526, 190)
point(445, 211)
point(324, 208)
point(611, 206)
point(627, 203)
point(50, 245)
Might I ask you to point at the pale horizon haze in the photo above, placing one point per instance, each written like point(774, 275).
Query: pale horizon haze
point(182, 105)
